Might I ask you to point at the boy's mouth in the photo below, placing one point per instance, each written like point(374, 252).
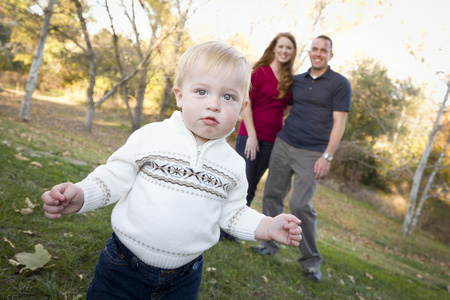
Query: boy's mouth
point(210, 121)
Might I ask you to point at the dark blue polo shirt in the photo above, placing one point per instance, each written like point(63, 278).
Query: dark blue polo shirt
point(313, 101)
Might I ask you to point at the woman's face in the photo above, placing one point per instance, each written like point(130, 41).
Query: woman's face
point(284, 50)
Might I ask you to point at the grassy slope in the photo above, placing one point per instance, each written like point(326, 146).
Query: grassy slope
point(365, 257)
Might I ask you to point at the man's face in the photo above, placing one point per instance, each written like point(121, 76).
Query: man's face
point(320, 54)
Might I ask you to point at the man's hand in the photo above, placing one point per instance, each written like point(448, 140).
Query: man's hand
point(321, 167)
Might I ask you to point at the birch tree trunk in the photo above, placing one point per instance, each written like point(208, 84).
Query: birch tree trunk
point(25, 109)
point(424, 195)
point(413, 208)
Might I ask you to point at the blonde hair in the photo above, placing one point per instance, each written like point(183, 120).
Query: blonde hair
point(214, 57)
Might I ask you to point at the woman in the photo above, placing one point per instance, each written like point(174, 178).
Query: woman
point(263, 118)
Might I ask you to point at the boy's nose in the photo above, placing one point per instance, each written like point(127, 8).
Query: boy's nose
point(214, 104)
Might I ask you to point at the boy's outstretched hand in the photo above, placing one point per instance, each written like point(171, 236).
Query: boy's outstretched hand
point(65, 198)
point(282, 229)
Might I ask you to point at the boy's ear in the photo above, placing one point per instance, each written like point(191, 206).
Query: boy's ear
point(178, 95)
point(244, 105)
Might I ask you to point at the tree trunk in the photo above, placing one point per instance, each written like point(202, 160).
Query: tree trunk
point(137, 120)
point(25, 109)
point(89, 118)
point(424, 195)
point(412, 207)
point(165, 103)
point(170, 73)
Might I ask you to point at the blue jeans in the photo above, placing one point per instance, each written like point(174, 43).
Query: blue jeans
point(254, 169)
point(119, 274)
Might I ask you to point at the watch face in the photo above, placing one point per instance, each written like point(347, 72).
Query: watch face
point(328, 157)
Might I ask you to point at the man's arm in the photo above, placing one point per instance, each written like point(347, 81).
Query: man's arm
point(322, 165)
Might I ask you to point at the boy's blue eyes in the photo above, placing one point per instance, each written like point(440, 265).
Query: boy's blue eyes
point(226, 96)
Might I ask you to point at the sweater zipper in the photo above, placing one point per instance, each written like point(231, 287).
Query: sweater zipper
point(199, 150)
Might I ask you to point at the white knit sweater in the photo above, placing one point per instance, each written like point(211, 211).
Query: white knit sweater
point(173, 195)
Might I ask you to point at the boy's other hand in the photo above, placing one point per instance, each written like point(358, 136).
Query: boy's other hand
point(283, 229)
point(63, 199)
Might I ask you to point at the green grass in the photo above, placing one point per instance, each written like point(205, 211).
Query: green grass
point(364, 254)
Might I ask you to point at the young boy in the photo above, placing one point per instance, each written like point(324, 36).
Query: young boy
point(178, 182)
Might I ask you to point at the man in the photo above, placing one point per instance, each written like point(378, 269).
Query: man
point(305, 146)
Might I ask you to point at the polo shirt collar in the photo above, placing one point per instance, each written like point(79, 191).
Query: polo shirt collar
point(324, 75)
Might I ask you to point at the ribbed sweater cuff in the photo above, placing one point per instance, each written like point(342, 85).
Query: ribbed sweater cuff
point(248, 223)
point(93, 196)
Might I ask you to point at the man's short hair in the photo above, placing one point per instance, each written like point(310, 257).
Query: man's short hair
point(326, 38)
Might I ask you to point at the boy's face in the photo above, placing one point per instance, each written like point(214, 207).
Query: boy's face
point(211, 103)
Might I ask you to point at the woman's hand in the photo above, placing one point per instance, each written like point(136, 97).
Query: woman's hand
point(251, 148)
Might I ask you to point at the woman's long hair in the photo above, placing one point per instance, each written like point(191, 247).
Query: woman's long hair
point(287, 73)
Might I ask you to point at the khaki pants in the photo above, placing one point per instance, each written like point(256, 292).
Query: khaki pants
point(285, 162)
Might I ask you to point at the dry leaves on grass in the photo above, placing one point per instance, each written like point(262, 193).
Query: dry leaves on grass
point(31, 261)
point(27, 209)
point(9, 242)
point(20, 157)
point(23, 158)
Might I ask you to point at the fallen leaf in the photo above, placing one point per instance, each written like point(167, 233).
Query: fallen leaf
point(20, 157)
point(9, 242)
point(58, 163)
point(29, 204)
point(13, 263)
point(368, 276)
point(351, 278)
point(28, 232)
point(359, 296)
point(419, 276)
point(33, 261)
point(26, 211)
point(211, 269)
point(265, 279)
point(213, 281)
point(36, 164)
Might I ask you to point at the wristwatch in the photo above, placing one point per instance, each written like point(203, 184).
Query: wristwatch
point(328, 157)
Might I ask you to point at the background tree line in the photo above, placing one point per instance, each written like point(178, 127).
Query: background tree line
point(129, 61)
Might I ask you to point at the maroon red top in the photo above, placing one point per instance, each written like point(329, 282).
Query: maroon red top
point(267, 111)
